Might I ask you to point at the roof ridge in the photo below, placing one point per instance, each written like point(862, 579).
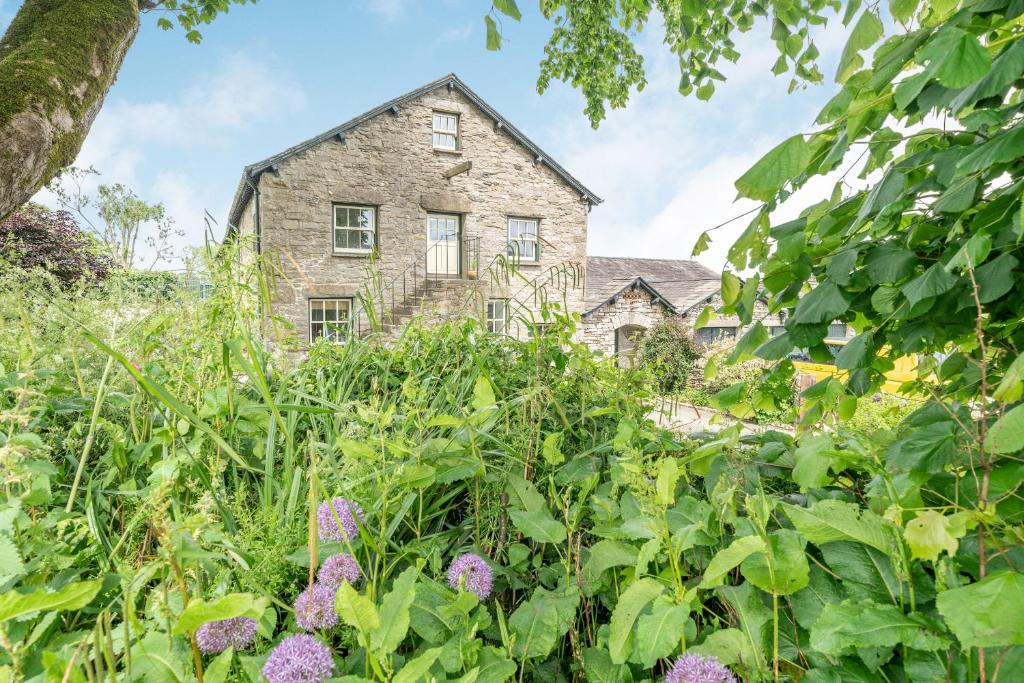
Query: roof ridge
point(252, 171)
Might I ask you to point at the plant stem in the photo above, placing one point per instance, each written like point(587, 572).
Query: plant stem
point(90, 437)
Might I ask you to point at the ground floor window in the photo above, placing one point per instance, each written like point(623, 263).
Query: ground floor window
point(330, 319)
point(626, 339)
point(710, 335)
point(836, 331)
point(776, 330)
point(497, 315)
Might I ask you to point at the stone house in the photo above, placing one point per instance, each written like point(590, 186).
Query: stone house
point(435, 205)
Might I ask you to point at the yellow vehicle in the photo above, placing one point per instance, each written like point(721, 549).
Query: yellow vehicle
point(904, 370)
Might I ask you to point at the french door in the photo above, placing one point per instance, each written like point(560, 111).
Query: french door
point(443, 256)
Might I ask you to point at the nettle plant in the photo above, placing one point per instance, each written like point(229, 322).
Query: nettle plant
point(925, 262)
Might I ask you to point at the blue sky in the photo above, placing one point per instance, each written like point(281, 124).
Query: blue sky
point(182, 120)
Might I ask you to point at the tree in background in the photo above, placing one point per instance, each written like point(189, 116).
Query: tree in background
point(122, 216)
point(36, 237)
point(58, 58)
point(670, 352)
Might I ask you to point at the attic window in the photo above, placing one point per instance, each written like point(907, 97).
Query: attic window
point(446, 131)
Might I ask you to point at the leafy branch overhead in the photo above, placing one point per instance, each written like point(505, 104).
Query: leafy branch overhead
point(592, 42)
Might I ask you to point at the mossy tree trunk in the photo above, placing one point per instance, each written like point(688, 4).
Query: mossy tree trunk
point(57, 61)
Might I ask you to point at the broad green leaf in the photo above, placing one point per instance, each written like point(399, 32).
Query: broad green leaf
point(828, 521)
point(493, 35)
point(538, 525)
point(986, 613)
point(789, 570)
point(783, 163)
point(995, 278)
point(551, 449)
point(730, 288)
point(932, 282)
point(729, 558)
point(72, 596)
point(494, 666)
point(540, 622)
point(812, 460)
point(356, 610)
point(930, 533)
point(1011, 387)
point(1007, 434)
point(903, 10)
point(394, 613)
point(427, 615)
point(848, 625)
point(228, 606)
point(217, 671)
point(1006, 68)
point(154, 662)
point(665, 484)
point(1004, 147)
point(960, 58)
point(754, 619)
point(416, 668)
point(857, 352)
point(823, 304)
point(608, 553)
point(10, 558)
point(631, 603)
point(508, 8)
point(866, 32)
point(659, 632)
point(889, 263)
point(702, 244)
point(483, 394)
point(728, 645)
point(523, 494)
point(598, 667)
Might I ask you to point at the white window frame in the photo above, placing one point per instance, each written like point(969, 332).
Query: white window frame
point(528, 248)
point(337, 304)
point(837, 337)
point(444, 127)
point(496, 324)
point(720, 332)
point(335, 228)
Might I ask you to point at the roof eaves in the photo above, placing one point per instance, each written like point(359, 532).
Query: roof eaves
point(636, 282)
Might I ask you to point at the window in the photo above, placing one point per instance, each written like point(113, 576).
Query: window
point(330, 319)
point(354, 229)
point(446, 131)
point(836, 331)
point(709, 335)
point(497, 315)
point(776, 330)
point(522, 239)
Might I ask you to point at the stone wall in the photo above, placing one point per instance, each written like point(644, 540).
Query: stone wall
point(634, 307)
point(389, 162)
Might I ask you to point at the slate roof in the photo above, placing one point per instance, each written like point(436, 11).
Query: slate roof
point(682, 284)
point(251, 173)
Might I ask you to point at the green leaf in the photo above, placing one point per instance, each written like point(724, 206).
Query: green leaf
point(930, 533)
point(524, 494)
point(1005, 147)
point(538, 525)
point(495, 667)
point(493, 36)
point(598, 667)
point(995, 278)
point(729, 558)
point(1007, 434)
point(483, 394)
point(903, 10)
point(961, 58)
point(783, 163)
point(730, 288)
point(789, 571)
point(428, 616)
point(416, 668)
point(551, 449)
point(394, 614)
point(823, 304)
point(72, 596)
point(541, 621)
point(606, 554)
point(631, 603)
point(728, 645)
point(848, 625)
point(217, 671)
point(10, 558)
point(812, 460)
point(1011, 387)
point(986, 613)
point(659, 632)
point(356, 610)
point(508, 8)
point(932, 282)
point(889, 263)
point(702, 244)
point(829, 520)
point(228, 606)
point(866, 32)
point(665, 485)
point(748, 604)
point(857, 352)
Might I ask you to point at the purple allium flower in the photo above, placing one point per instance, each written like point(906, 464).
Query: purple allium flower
point(339, 569)
point(474, 570)
point(217, 636)
point(346, 511)
point(314, 608)
point(696, 668)
point(299, 659)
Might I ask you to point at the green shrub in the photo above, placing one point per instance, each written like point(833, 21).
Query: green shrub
point(669, 351)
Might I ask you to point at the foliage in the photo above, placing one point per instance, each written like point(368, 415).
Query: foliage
point(36, 237)
point(591, 44)
point(189, 14)
point(669, 351)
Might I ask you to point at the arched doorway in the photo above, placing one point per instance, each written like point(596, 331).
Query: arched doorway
point(626, 339)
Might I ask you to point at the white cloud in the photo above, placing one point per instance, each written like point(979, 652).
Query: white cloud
point(128, 134)
point(389, 10)
point(666, 164)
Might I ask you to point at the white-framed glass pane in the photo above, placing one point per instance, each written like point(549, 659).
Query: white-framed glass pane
point(445, 130)
point(354, 227)
point(522, 237)
point(496, 315)
point(330, 319)
point(837, 331)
